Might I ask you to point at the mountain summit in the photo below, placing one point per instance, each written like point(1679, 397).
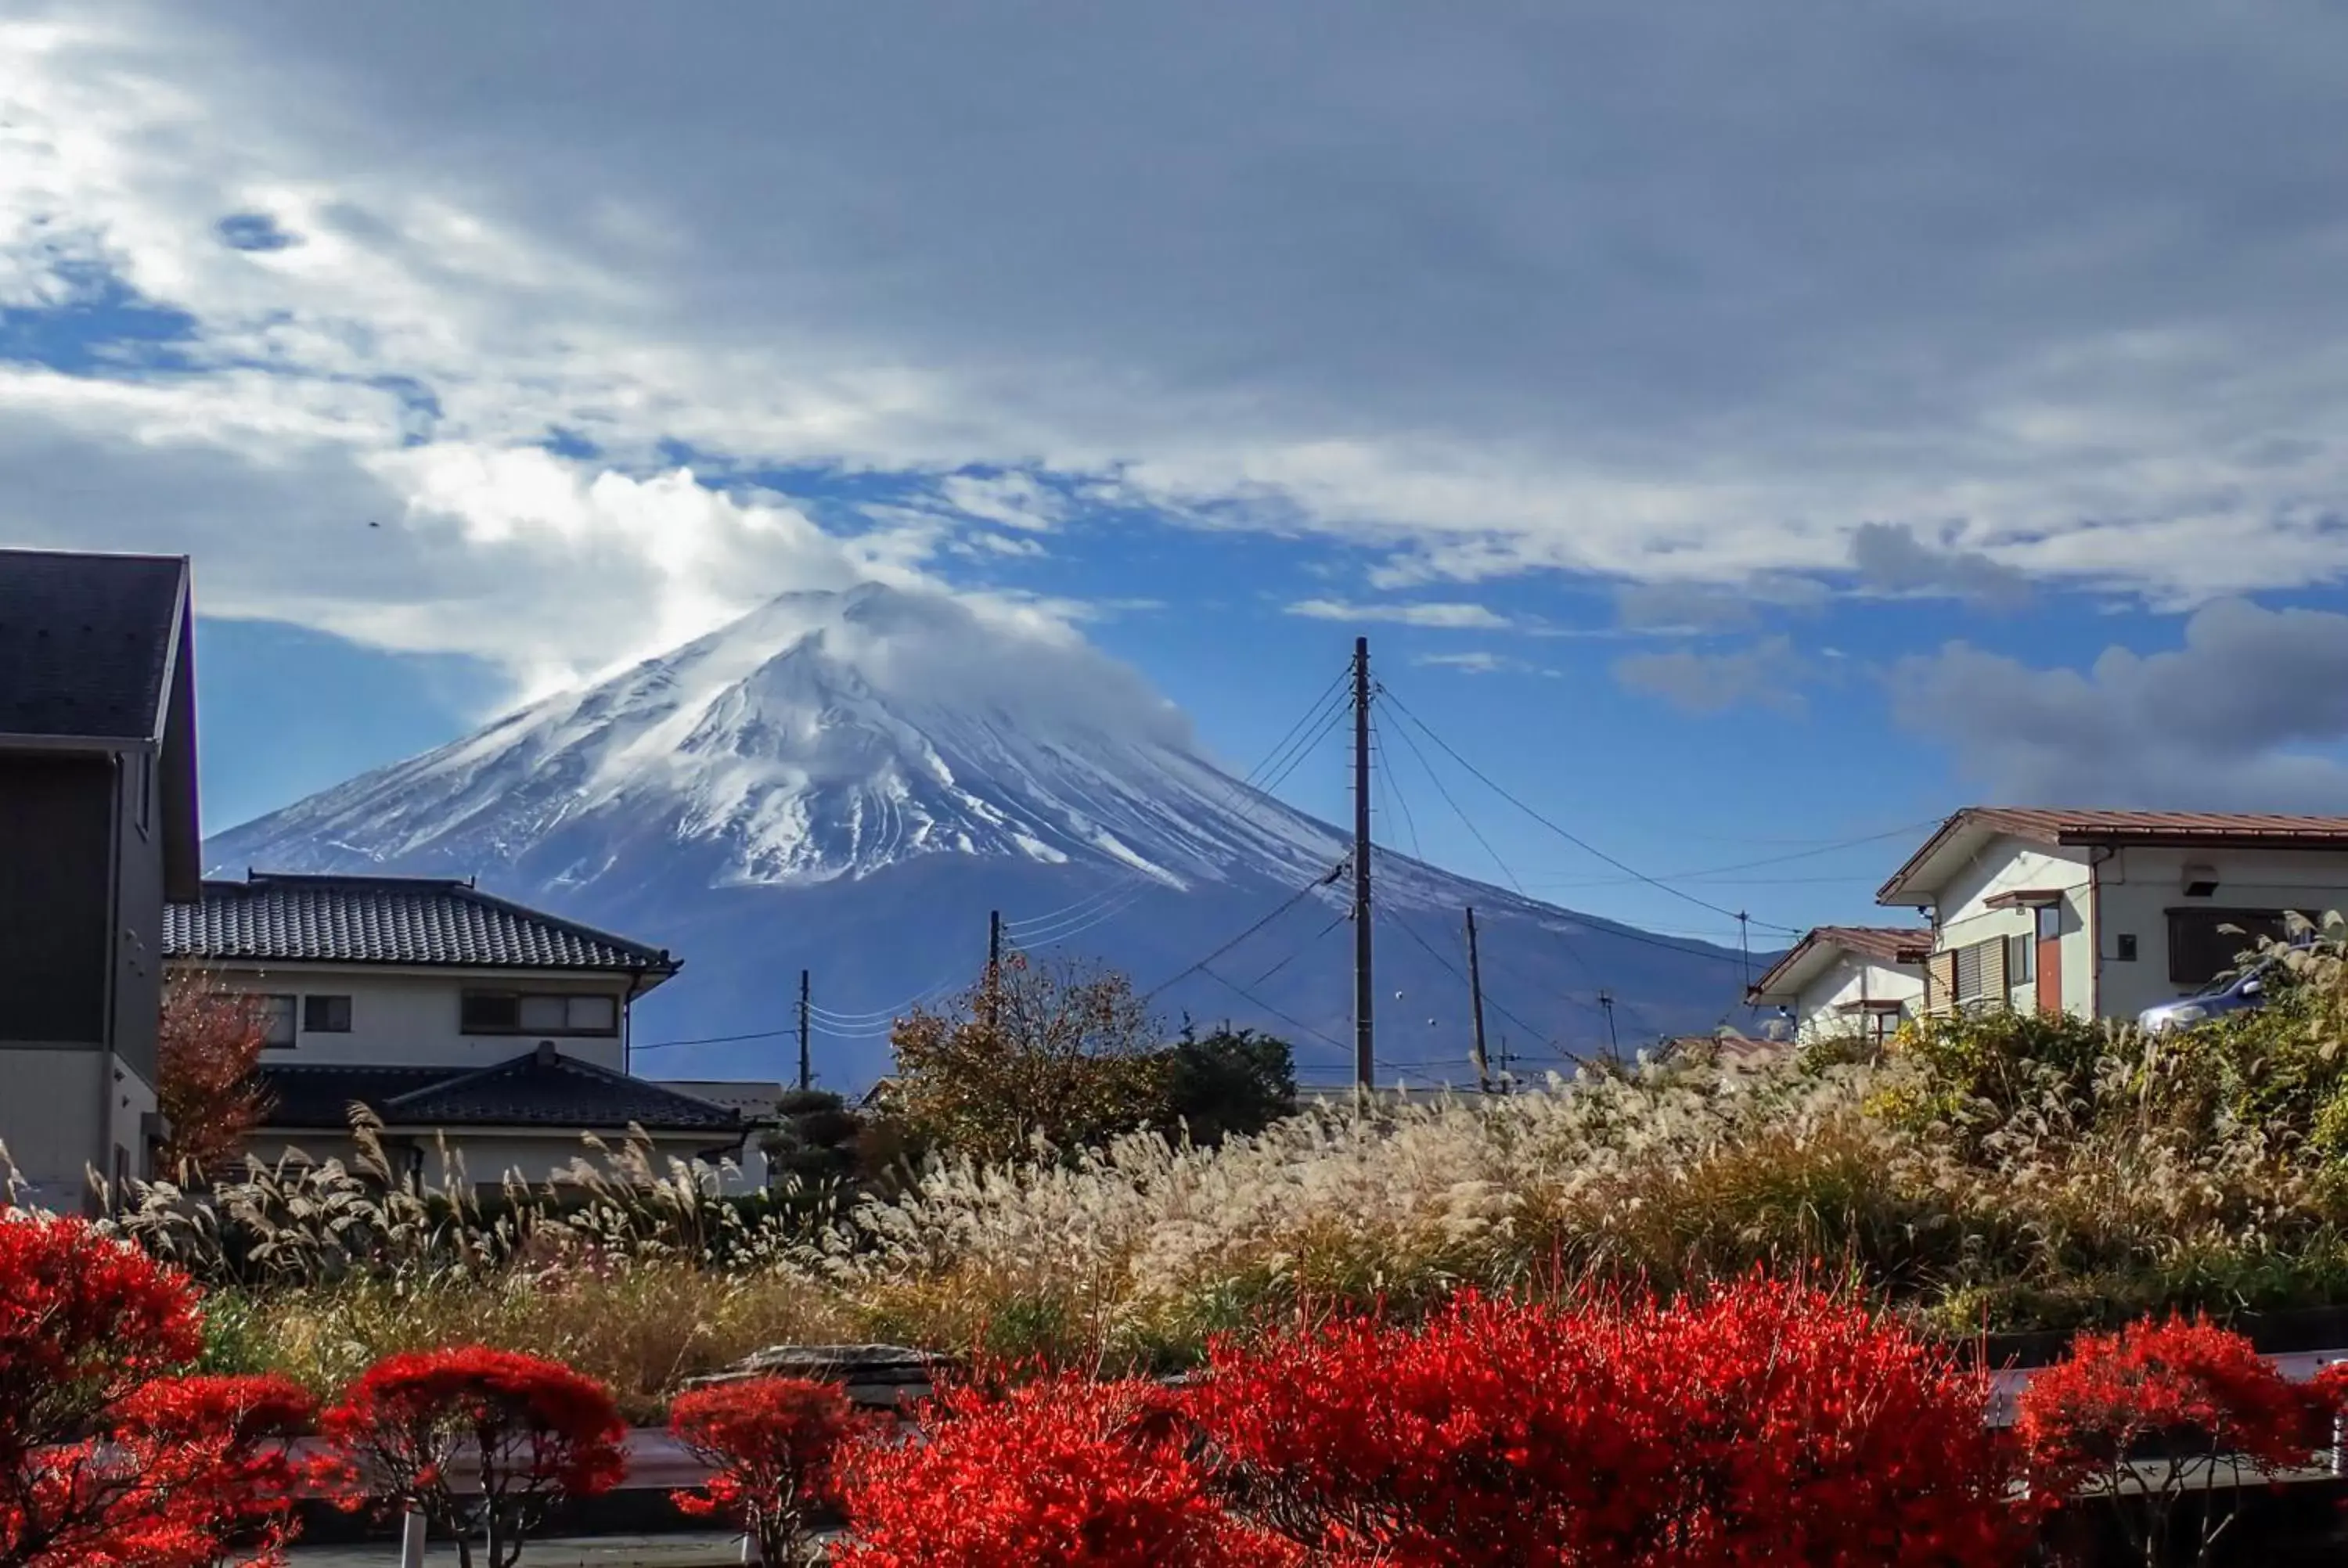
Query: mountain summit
point(849, 782)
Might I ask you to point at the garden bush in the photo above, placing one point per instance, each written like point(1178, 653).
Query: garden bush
point(526, 1433)
point(775, 1448)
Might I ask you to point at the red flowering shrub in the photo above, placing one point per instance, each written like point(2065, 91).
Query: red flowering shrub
point(1767, 1423)
point(2189, 1402)
point(84, 1321)
point(774, 1446)
point(517, 1434)
point(222, 1449)
point(1063, 1473)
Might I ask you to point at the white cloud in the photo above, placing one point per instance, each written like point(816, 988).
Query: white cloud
point(2251, 713)
point(1481, 662)
point(1482, 299)
point(1890, 556)
point(1766, 675)
point(1449, 616)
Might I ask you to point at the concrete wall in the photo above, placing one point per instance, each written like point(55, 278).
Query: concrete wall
point(2009, 867)
point(54, 1121)
point(416, 1020)
point(1816, 1011)
point(2137, 887)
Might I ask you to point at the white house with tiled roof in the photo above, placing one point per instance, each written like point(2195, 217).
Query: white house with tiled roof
point(1861, 980)
point(2103, 914)
point(459, 1019)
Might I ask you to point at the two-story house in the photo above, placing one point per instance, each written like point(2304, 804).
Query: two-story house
point(1861, 980)
point(457, 1019)
point(2103, 914)
point(98, 823)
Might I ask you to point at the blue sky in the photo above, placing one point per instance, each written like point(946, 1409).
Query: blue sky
point(1737, 434)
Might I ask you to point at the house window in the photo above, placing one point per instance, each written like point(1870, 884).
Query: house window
point(2200, 947)
point(2021, 961)
point(2126, 942)
point(325, 1015)
point(277, 1021)
point(519, 1012)
point(1879, 1026)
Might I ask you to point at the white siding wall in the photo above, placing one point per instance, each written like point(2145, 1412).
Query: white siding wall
point(2008, 867)
point(1817, 1009)
point(2137, 887)
point(485, 1159)
point(53, 1121)
point(401, 1019)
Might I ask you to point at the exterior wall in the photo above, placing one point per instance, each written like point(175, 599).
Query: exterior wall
point(56, 879)
point(54, 1122)
point(2137, 887)
point(1817, 1009)
point(138, 911)
point(1964, 915)
point(416, 1020)
point(486, 1158)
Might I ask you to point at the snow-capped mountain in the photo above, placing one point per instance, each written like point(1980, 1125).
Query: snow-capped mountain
point(847, 782)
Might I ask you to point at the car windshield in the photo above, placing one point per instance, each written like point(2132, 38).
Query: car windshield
point(2230, 980)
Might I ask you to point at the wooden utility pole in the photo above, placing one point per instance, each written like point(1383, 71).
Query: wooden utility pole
point(1613, 1045)
point(993, 965)
point(807, 1062)
point(1364, 1025)
point(1475, 997)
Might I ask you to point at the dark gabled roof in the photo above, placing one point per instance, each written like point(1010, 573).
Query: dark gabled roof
point(270, 918)
point(542, 1088)
point(2098, 827)
point(87, 643)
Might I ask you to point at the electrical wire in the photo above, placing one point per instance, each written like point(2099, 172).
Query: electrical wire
point(1457, 974)
point(1285, 905)
point(1297, 952)
point(1464, 820)
point(1581, 843)
point(1292, 1021)
point(1712, 871)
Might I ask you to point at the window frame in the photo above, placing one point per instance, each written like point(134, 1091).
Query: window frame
point(2251, 921)
point(276, 1004)
point(468, 1021)
point(311, 999)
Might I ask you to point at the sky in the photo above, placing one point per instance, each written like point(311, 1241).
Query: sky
point(1744, 432)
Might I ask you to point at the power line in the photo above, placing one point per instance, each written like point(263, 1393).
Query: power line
point(1294, 953)
point(1288, 1019)
point(1285, 905)
point(1465, 821)
point(1710, 871)
point(1577, 842)
point(1457, 974)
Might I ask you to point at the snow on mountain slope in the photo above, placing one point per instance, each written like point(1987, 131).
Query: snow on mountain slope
point(848, 782)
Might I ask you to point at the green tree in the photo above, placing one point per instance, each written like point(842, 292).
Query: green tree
point(1062, 1051)
point(1229, 1082)
point(814, 1140)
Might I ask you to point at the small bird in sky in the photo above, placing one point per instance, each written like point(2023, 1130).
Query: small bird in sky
point(373, 524)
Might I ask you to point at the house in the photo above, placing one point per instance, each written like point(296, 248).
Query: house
point(757, 1103)
point(2102, 914)
point(97, 826)
point(455, 1017)
point(1847, 980)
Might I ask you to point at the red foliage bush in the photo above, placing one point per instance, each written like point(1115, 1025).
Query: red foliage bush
point(1764, 1423)
point(223, 1450)
point(526, 1433)
point(84, 1322)
point(1064, 1473)
point(774, 1446)
point(2186, 1400)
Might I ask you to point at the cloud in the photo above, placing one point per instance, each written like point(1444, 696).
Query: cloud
point(1569, 290)
point(1888, 555)
point(1452, 617)
point(1691, 608)
point(1481, 662)
point(2251, 713)
point(1764, 674)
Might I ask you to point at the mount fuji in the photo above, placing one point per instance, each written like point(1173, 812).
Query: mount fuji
point(849, 782)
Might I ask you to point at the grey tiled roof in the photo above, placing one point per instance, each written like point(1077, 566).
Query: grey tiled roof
point(388, 920)
point(539, 1089)
point(85, 641)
